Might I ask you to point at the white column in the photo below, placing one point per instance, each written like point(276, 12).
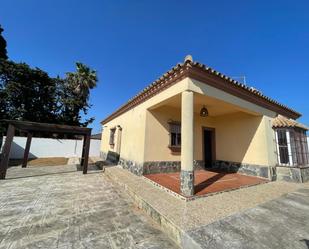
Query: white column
point(187, 143)
point(277, 144)
point(289, 147)
point(118, 147)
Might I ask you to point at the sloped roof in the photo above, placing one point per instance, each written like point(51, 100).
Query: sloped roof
point(207, 75)
point(283, 122)
point(96, 136)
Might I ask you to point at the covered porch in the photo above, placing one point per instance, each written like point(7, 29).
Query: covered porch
point(196, 153)
point(207, 182)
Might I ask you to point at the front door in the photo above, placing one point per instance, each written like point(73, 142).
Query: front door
point(208, 147)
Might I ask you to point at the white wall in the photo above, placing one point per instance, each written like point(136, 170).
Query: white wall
point(49, 147)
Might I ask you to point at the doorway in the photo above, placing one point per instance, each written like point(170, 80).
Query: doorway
point(209, 147)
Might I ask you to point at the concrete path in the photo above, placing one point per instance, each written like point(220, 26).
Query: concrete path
point(65, 209)
point(280, 223)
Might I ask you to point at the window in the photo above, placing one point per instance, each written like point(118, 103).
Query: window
point(283, 147)
point(175, 134)
point(292, 151)
point(112, 136)
point(299, 147)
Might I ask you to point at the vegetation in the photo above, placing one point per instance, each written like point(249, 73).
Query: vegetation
point(75, 93)
point(3, 53)
point(31, 94)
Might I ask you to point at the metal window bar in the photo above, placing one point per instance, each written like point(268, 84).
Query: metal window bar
point(175, 134)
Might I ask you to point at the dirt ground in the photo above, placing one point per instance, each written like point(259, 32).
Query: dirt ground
point(49, 161)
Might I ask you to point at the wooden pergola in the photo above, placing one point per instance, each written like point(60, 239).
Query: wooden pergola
point(31, 128)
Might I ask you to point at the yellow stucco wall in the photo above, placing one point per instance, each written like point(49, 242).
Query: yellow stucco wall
point(157, 134)
point(240, 137)
point(132, 135)
point(133, 123)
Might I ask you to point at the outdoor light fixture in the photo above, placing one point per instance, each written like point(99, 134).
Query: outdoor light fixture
point(204, 112)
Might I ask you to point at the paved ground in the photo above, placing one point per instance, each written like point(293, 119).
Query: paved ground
point(207, 182)
point(280, 223)
point(205, 210)
point(65, 209)
point(272, 215)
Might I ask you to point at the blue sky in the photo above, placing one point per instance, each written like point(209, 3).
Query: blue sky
point(132, 43)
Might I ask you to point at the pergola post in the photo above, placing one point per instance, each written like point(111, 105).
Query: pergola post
point(27, 149)
point(187, 143)
point(85, 154)
point(4, 159)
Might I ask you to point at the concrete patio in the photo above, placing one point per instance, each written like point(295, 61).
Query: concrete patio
point(258, 216)
point(280, 223)
point(59, 207)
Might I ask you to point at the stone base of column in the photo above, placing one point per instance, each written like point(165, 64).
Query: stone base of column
point(187, 183)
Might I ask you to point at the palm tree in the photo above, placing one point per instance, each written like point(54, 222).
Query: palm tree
point(77, 91)
point(82, 80)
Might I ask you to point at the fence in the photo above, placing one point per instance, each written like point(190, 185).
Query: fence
point(49, 147)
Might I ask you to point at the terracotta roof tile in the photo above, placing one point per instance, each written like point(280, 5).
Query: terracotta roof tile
point(283, 122)
point(173, 75)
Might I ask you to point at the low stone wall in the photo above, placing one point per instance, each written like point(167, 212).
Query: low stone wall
point(246, 169)
point(293, 174)
point(155, 167)
point(111, 158)
point(133, 167)
point(305, 174)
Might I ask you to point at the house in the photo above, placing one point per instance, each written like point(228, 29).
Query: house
point(195, 117)
point(96, 136)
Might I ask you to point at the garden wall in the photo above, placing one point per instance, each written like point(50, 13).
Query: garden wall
point(49, 147)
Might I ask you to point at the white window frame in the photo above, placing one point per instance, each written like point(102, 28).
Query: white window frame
point(288, 140)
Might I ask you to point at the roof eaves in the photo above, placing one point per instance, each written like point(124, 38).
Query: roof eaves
point(182, 70)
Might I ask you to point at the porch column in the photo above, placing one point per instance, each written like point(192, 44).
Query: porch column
point(187, 170)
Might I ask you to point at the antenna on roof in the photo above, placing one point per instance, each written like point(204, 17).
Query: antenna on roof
point(241, 79)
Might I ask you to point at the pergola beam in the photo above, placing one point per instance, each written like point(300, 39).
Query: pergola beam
point(44, 127)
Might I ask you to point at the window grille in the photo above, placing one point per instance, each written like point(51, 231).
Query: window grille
point(175, 134)
point(112, 136)
point(299, 146)
point(295, 151)
point(283, 147)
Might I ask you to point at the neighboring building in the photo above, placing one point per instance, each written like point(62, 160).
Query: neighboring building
point(195, 117)
point(96, 136)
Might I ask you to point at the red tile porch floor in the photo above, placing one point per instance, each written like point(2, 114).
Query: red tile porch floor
point(207, 182)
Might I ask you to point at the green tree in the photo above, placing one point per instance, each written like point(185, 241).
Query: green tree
point(75, 94)
point(3, 52)
point(27, 94)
